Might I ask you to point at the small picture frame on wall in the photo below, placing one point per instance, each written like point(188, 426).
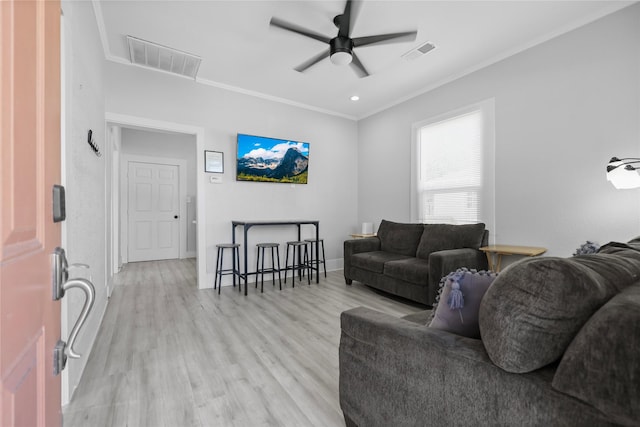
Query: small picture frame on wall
point(214, 161)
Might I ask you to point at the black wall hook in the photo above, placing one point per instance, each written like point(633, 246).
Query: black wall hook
point(92, 144)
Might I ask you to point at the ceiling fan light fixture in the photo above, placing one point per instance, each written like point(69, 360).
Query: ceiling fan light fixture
point(341, 48)
point(341, 58)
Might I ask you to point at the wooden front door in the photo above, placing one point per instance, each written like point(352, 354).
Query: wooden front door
point(29, 167)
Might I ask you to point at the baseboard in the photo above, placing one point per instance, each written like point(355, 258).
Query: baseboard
point(335, 264)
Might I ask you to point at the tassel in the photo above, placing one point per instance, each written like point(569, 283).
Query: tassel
point(455, 300)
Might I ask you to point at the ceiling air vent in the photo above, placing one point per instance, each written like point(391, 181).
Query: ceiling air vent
point(163, 58)
point(419, 51)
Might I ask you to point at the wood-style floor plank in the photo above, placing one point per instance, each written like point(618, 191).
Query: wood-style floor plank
point(170, 355)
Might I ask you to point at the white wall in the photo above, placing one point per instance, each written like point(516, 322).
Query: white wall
point(84, 176)
point(165, 145)
point(562, 109)
point(173, 146)
point(329, 197)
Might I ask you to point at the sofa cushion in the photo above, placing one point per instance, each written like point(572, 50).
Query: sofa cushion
point(399, 238)
point(601, 365)
point(629, 250)
point(535, 307)
point(374, 261)
point(412, 270)
point(421, 317)
point(462, 321)
point(440, 237)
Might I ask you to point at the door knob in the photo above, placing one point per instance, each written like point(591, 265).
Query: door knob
point(175, 216)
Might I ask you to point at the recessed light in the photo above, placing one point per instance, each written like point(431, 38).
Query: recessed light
point(354, 98)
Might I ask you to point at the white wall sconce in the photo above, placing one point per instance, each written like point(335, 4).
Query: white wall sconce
point(622, 174)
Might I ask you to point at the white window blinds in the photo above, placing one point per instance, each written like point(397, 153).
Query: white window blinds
point(450, 170)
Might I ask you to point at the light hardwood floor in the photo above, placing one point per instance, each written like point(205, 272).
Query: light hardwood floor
point(170, 355)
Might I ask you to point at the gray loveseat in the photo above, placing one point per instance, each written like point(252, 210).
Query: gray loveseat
point(409, 260)
point(560, 347)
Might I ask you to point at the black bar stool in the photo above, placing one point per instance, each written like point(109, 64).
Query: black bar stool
point(235, 270)
point(312, 264)
point(275, 247)
point(299, 262)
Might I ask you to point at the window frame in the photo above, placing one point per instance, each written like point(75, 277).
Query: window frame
point(487, 193)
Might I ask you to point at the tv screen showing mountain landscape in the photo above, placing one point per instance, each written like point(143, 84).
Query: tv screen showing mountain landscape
point(272, 160)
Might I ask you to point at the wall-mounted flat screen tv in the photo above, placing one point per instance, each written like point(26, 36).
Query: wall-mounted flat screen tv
point(265, 159)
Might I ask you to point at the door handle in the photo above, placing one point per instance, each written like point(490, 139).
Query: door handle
point(61, 284)
point(90, 296)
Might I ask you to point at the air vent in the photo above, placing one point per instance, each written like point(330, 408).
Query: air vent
point(419, 51)
point(163, 58)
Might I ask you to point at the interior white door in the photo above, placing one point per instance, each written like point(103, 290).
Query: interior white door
point(154, 209)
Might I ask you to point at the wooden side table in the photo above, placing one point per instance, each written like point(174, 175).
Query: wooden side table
point(495, 252)
point(362, 236)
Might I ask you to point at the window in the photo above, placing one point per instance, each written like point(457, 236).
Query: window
point(453, 167)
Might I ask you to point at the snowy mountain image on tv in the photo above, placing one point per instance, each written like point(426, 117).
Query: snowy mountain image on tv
point(272, 160)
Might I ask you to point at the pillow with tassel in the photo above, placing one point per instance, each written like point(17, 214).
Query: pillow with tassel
point(459, 301)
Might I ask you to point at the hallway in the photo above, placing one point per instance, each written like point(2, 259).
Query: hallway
point(170, 355)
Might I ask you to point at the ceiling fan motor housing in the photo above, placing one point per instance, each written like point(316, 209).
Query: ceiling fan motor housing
point(341, 50)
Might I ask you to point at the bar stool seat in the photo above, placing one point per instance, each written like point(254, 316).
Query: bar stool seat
point(299, 263)
point(235, 270)
point(313, 264)
point(275, 247)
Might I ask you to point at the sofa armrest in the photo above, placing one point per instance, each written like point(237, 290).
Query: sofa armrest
point(396, 372)
point(442, 263)
point(356, 246)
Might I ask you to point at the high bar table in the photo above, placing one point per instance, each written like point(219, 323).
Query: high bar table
point(246, 225)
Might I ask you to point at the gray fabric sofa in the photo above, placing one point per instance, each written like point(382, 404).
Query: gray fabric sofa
point(560, 347)
point(409, 260)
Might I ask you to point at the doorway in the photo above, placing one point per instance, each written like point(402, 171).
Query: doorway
point(153, 198)
point(150, 196)
point(193, 202)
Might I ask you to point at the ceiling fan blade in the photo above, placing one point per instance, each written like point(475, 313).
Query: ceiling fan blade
point(348, 18)
point(276, 22)
point(357, 66)
point(408, 36)
point(312, 61)
point(345, 21)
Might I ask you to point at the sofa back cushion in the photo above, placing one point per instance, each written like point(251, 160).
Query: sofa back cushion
point(399, 238)
point(601, 365)
point(440, 237)
point(535, 308)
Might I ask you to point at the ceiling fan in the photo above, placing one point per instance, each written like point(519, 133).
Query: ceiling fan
point(341, 48)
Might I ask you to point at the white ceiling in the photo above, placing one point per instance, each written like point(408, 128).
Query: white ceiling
point(242, 52)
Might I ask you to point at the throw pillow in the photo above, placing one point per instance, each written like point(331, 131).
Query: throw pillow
point(441, 237)
point(586, 248)
point(537, 306)
point(456, 309)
